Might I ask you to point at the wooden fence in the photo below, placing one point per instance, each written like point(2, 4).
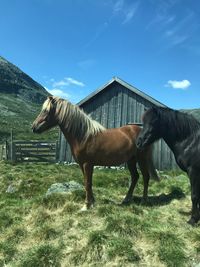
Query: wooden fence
point(33, 151)
point(3, 152)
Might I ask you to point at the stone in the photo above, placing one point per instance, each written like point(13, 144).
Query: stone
point(11, 189)
point(66, 187)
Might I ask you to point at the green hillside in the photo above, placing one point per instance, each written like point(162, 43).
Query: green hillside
point(18, 115)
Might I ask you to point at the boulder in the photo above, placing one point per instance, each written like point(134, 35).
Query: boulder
point(66, 187)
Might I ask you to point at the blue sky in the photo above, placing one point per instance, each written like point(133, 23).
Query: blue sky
point(73, 47)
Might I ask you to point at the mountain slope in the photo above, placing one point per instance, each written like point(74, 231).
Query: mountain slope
point(20, 102)
point(14, 81)
point(195, 112)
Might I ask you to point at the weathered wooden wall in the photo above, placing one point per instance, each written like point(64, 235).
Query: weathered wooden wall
point(116, 106)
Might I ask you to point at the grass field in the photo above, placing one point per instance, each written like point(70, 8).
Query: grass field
point(51, 231)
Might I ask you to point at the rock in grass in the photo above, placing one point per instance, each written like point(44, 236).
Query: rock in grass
point(67, 187)
point(14, 187)
point(11, 189)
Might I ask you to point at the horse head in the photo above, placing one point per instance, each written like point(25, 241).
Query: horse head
point(151, 129)
point(46, 119)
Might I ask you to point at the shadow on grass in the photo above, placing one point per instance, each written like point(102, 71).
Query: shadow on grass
point(159, 200)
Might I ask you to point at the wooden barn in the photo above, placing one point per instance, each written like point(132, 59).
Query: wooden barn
point(115, 104)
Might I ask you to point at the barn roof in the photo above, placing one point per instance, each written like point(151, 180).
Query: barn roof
point(125, 84)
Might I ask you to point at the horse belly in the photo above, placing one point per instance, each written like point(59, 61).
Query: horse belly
point(113, 156)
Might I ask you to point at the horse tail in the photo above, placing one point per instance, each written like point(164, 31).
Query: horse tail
point(151, 168)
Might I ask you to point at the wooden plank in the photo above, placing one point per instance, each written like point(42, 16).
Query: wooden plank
point(33, 142)
point(25, 153)
point(111, 111)
point(124, 107)
point(34, 149)
point(34, 155)
point(36, 146)
point(37, 160)
point(118, 111)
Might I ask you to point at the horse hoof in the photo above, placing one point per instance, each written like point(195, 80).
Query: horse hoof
point(144, 202)
point(126, 201)
point(192, 221)
point(86, 207)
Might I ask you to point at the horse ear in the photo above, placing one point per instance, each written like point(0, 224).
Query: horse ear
point(52, 99)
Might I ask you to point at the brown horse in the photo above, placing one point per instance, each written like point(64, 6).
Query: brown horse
point(92, 144)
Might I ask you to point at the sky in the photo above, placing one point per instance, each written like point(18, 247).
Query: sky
point(73, 47)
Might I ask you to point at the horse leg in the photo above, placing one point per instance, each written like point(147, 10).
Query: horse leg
point(144, 167)
point(134, 178)
point(87, 170)
point(152, 171)
point(195, 197)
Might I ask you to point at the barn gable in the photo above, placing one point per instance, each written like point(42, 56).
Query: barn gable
point(120, 82)
point(115, 104)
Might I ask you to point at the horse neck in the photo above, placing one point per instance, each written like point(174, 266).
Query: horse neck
point(174, 134)
point(68, 124)
point(77, 126)
point(71, 139)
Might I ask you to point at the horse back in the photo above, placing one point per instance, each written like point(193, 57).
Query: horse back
point(131, 130)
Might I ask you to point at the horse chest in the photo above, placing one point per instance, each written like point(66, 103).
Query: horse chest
point(187, 153)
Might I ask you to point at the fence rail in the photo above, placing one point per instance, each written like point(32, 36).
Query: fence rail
point(33, 151)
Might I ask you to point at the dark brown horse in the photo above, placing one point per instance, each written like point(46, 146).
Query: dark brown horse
point(181, 132)
point(92, 144)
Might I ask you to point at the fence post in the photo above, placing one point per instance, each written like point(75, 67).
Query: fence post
point(12, 147)
point(57, 151)
point(6, 150)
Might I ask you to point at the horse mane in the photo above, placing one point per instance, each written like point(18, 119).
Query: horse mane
point(73, 119)
point(183, 123)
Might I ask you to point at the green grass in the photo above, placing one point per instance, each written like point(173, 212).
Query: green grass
point(39, 230)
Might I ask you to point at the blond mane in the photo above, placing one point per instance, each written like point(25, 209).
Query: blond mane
point(74, 120)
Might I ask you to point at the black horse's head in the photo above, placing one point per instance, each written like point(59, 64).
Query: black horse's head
point(151, 128)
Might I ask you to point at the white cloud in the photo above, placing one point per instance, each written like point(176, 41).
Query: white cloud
point(184, 84)
point(58, 92)
point(59, 88)
point(61, 83)
point(130, 14)
point(75, 82)
point(68, 81)
point(126, 11)
point(118, 6)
